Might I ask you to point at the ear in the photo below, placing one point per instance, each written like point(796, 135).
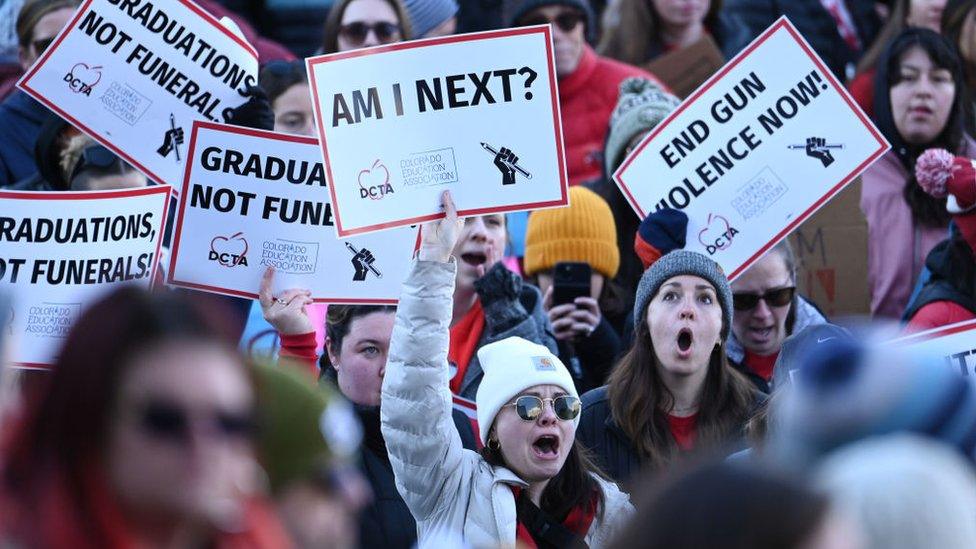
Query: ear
point(332, 351)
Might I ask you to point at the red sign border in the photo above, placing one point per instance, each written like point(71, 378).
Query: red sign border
point(935, 333)
point(181, 208)
point(24, 85)
point(311, 62)
point(782, 23)
point(97, 195)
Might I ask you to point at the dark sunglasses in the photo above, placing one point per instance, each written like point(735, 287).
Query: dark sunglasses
point(167, 421)
point(356, 33)
point(529, 408)
point(566, 21)
point(41, 45)
point(773, 298)
point(100, 158)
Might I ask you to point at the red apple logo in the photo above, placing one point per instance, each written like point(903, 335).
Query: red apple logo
point(374, 183)
point(85, 76)
point(717, 234)
point(229, 251)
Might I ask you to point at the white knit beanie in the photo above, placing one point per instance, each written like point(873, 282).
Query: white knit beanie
point(511, 366)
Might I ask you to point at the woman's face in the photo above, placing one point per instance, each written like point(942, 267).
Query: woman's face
point(368, 23)
point(293, 111)
point(685, 321)
point(480, 244)
point(361, 362)
point(922, 99)
point(681, 13)
point(926, 14)
point(43, 33)
point(535, 450)
point(763, 328)
point(179, 444)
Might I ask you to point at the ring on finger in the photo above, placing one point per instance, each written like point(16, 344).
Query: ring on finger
point(281, 301)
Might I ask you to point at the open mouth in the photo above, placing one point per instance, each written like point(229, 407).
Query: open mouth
point(761, 333)
point(685, 340)
point(546, 446)
point(474, 258)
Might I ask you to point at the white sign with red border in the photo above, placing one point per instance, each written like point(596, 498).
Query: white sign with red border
point(253, 199)
point(476, 114)
point(955, 342)
point(136, 75)
point(756, 150)
point(60, 251)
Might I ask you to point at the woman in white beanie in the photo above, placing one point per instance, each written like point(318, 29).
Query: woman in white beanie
point(531, 483)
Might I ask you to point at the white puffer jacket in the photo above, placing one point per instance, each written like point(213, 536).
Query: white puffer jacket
point(448, 489)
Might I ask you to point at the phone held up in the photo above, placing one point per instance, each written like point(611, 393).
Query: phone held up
point(569, 281)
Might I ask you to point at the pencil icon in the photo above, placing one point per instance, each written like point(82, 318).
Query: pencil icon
point(493, 152)
point(801, 147)
point(368, 265)
point(176, 146)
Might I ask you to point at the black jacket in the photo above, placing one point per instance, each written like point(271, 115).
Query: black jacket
point(591, 358)
point(953, 276)
point(387, 521)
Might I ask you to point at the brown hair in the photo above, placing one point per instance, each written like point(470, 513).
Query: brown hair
point(640, 401)
point(33, 11)
point(338, 322)
point(330, 38)
point(892, 27)
point(632, 27)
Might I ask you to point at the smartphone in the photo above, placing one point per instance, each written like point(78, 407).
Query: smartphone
point(569, 281)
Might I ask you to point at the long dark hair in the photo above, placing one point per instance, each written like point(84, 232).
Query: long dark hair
point(573, 486)
point(926, 210)
point(640, 401)
point(632, 30)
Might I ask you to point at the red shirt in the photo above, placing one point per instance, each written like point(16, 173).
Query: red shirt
point(464, 342)
point(760, 365)
point(862, 89)
point(684, 430)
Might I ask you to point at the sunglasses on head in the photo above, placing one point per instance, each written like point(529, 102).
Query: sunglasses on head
point(529, 407)
point(773, 298)
point(566, 21)
point(167, 421)
point(356, 33)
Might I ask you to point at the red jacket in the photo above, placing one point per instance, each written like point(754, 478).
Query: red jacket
point(587, 98)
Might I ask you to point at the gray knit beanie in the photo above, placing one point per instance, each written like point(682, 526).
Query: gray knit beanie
point(684, 262)
point(427, 15)
point(641, 106)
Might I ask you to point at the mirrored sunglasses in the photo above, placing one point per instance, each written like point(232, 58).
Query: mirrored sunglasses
point(529, 407)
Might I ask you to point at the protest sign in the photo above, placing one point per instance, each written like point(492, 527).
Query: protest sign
point(60, 251)
point(253, 199)
point(955, 342)
point(476, 114)
point(135, 75)
point(756, 150)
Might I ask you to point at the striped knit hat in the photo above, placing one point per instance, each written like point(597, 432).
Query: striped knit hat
point(584, 231)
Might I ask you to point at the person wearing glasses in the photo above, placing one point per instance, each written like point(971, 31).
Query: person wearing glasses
point(354, 24)
point(143, 437)
point(588, 83)
point(21, 117)
point(531, 484)
point(674, 391)
point(767, 310)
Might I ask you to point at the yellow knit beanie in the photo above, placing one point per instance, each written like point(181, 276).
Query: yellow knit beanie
point(584, 231)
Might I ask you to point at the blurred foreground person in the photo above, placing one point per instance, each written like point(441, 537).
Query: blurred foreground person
point(143, 437)
point(734, 506)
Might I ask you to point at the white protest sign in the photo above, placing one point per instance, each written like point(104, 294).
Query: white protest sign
point(253, 199)
point(135, 75)
point(399, 124)
point(752, 153)
point(60, 251)
point(955, 342)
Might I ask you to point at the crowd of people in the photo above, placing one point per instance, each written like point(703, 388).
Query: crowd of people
point(655, 403)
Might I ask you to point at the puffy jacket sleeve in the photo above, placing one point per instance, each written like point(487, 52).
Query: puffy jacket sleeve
point(415, 407)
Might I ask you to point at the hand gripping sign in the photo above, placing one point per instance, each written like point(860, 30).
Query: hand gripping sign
point(135, 75)
point(476, 114)
point(756, 150)
point(60, 251)
point(253, 199)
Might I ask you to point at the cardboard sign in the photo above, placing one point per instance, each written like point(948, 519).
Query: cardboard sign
point(253, 199)
point(136, 75)
point(754, 152)
point(476, 114)
point(60, 251)
point(685, 69)
point(831, 249)
point(956, 342)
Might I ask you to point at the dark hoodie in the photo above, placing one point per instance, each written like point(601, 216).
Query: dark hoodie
point(953, 276)
point(20, 123)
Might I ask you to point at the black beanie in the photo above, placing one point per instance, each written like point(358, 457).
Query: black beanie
point(513, 10)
